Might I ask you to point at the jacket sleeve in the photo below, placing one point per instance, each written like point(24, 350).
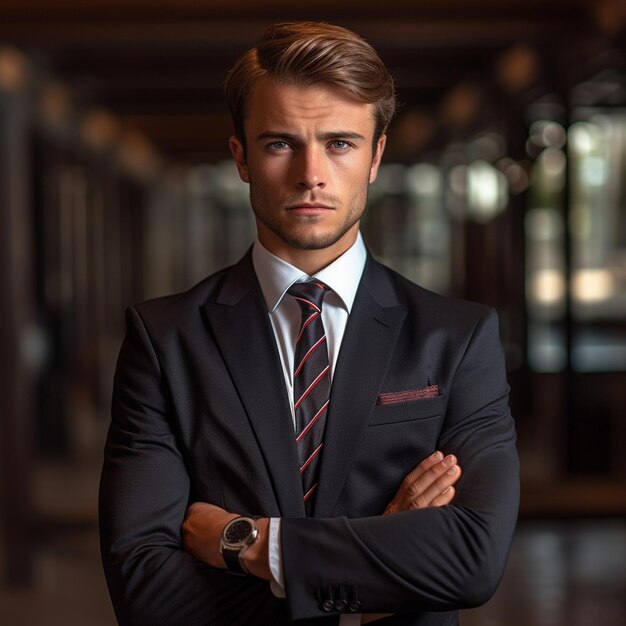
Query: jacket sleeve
point(434, 559)
point(144, 493)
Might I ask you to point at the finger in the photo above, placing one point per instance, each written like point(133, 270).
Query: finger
point(425, 496)
point(406, 499)
point(412, 490)
point(424, 466)
point(423, 481)
point(392, 508)
point(410, 484)
point(444, 498)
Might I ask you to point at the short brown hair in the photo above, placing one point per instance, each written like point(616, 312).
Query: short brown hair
point(308, 53)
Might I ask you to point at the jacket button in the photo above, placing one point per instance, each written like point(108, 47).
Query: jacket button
point(341, 605)
point(328, 605)
point(354, 606)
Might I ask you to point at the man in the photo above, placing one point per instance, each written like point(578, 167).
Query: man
point(309, 389)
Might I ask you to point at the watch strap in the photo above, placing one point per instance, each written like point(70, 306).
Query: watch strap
point(231, 558)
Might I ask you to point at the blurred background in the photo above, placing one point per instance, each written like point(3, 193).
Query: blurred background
point(504, 182)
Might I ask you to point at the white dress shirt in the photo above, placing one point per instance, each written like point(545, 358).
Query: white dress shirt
point(275, 277)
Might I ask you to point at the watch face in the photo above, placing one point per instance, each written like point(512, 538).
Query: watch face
point(238, 531)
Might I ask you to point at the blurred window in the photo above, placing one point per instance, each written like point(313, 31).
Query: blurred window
point(594, 167)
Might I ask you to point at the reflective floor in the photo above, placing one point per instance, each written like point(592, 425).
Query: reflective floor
point(69, 588)
point(567, 573)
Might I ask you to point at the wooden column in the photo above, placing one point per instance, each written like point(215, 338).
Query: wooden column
point(17, 339)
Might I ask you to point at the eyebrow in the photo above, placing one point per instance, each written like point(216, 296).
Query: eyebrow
point(327, 136)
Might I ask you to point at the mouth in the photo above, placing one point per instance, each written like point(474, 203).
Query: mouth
point(309, 207)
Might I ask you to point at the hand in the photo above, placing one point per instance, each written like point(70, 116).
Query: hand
point(202, 530)
point(430, 484)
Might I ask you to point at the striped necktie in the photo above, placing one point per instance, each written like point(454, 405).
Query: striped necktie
point(311, 384)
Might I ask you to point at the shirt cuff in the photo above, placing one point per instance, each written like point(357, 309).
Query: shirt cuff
point(277, 584)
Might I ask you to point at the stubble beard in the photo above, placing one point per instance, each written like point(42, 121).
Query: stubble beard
point(301, 237)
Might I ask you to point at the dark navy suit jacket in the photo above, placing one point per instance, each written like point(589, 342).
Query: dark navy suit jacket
point(200, 412)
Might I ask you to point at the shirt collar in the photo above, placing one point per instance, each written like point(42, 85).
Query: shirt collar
point(342, 275)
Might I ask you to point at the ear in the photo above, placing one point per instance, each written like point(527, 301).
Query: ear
point(378, 155)
point(236, 149)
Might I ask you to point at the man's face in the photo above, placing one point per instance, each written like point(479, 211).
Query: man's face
point(309, 162)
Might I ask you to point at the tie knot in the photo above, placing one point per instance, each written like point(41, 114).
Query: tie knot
point(309, 294)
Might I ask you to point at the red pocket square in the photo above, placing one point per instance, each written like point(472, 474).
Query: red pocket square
point(396, 397)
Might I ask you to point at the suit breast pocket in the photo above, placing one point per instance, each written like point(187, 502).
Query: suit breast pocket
point(397, 438)
point(428, 409)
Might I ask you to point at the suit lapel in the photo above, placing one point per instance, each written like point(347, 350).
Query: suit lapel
point(366, 349)
point(246, 341)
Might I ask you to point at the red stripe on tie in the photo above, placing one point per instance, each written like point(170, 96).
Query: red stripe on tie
point(310, 459)
point(308, 494)
point(313, 420)
point(311, 387)
point(312, 349)
point(311, 304)
point(305, 324)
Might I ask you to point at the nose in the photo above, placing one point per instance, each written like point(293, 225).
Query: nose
point(311, 169)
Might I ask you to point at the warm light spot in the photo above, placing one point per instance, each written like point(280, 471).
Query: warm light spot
point(547, 287)
point(584, 138)
point(517, 68)
point(461, 104)
point(136, 153)
point(487, 191)
point(14, 69)
point(55, 104)
point(100, 129)
point(592, 285)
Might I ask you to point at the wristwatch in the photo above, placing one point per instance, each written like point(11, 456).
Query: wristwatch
point(238, 535)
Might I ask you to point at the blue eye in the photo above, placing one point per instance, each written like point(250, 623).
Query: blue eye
point(278, 145)
point(339, 144)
